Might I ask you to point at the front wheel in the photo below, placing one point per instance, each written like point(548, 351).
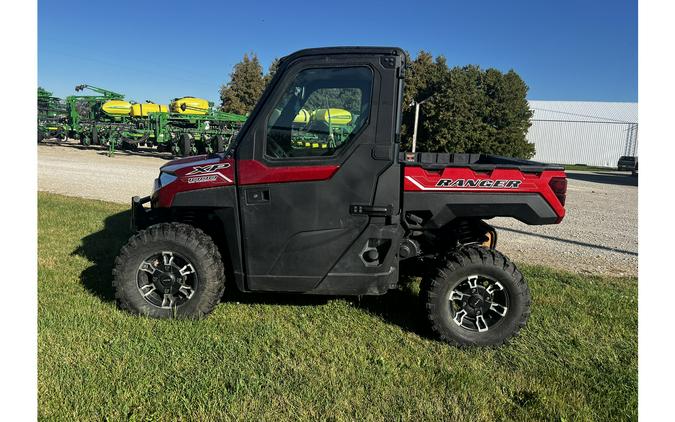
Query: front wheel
point(170, 270)
point(476, 298)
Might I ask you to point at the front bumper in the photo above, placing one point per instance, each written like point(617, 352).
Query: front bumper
point(141, 217)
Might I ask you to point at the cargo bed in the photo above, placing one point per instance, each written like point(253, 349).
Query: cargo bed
point(477, 162)
point(482, 186)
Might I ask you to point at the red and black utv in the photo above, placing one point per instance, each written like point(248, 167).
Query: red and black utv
point(313, 196)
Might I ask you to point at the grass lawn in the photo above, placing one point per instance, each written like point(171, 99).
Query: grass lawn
point(279, 357)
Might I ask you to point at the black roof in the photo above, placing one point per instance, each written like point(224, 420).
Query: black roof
point(344, 50)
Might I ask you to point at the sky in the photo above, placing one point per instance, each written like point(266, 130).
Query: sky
point(563, 50)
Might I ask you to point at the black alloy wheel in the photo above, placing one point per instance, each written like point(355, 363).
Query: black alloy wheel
point(478, 303)
point(167, 279)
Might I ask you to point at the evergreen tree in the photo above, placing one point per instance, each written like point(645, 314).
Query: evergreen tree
point(271, 71)
point(245, 87)
point(423, 78)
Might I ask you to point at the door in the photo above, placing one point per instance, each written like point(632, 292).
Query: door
point(309, 160)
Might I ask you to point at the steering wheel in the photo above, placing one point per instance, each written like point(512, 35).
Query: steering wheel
point(275, 149)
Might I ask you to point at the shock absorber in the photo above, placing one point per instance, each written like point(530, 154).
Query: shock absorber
point(475, 232)
point(465, 233)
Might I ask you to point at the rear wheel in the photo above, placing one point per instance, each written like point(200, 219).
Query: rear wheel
point(129, 146)
point(169, 270)
point(219, 144)
point(476, 298)
point(94, 135)
point(202, 147)
point(185, 145)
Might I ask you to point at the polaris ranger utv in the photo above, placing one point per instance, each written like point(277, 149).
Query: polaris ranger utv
point(313, 196)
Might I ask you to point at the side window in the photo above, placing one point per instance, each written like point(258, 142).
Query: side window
point(320, 112)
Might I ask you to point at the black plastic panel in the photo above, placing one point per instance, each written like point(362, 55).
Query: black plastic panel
point(530, 208)
point(213, 197)
point(222, 203)
point(479, 162)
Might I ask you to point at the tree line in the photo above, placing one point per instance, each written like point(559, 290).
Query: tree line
point(465, 109)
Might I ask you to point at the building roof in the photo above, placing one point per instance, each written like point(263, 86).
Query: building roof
point(584, 111)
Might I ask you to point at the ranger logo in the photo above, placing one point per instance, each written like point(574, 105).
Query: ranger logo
point(208, 169)
point(478, 183)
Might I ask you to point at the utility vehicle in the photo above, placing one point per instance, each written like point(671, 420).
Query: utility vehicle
point(299, 204)
point(627, 163)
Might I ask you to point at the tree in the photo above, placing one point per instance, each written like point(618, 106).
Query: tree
point(271, 71)
point(245, 87)
point(423, 78)
point(467, 109)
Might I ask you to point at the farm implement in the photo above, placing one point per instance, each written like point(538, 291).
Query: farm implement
point(51, 116)
point(187, 126)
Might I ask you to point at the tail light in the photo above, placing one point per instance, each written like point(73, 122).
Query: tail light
point(559, 187)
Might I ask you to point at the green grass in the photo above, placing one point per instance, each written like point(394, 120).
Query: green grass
point(279, 357)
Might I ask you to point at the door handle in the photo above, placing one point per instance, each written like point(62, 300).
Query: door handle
point(257, 196)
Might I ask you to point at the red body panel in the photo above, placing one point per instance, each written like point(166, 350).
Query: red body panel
point(195, 173)
point(507, 181)
point(202, 173)
point(252, 172)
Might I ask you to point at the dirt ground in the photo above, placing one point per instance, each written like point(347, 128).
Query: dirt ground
point(598, 235)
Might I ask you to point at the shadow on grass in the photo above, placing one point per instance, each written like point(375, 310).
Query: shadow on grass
point(101, 248)
point(399, 307)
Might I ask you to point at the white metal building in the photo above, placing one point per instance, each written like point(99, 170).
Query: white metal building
point(583, 132)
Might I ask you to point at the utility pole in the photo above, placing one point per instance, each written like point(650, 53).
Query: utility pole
point(417, 116)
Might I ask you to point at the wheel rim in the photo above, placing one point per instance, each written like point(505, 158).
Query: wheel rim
point(167, 279)
point(478, 303)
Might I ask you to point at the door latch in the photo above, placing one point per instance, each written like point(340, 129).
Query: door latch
point(371, 210)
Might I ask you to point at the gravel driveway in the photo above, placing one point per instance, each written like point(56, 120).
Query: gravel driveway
point(90, 173)
point(598, 235)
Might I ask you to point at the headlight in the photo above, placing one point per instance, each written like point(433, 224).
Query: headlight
point(163, 180)
point(166, 178)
